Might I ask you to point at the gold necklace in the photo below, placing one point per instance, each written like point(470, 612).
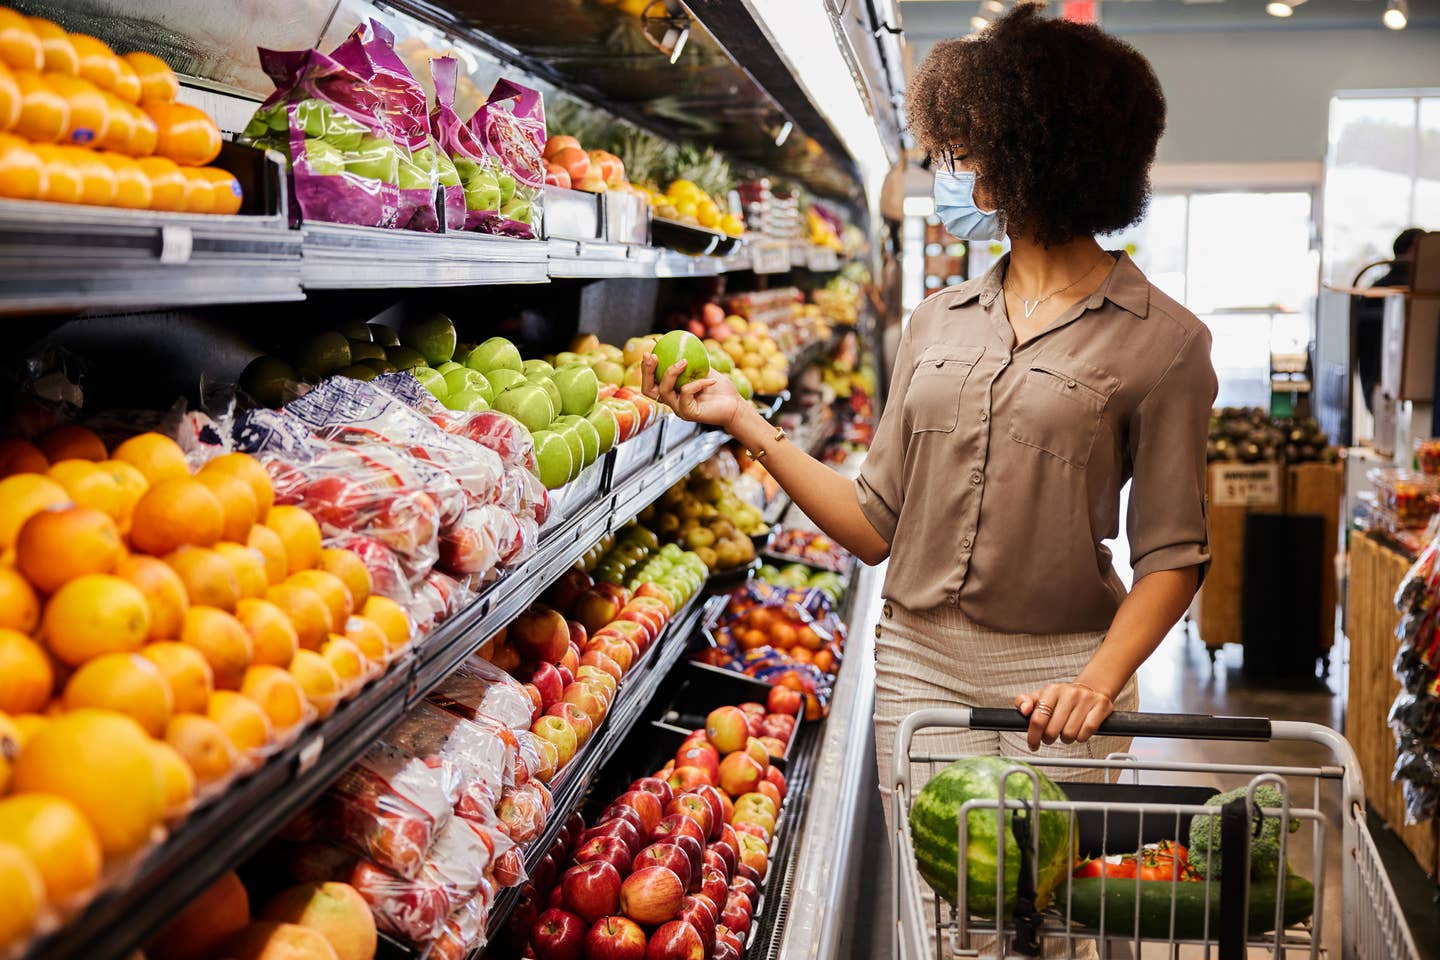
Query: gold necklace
point(1032, 305)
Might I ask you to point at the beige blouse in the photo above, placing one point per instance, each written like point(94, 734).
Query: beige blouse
point(996, 467)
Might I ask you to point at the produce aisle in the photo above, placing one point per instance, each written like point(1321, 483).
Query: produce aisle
point(354, 600)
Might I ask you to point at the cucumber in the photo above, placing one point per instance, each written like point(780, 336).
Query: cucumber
point(1189, 898)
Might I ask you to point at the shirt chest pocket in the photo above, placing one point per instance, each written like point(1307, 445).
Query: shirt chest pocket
point(933, 401)
point(1059, 407)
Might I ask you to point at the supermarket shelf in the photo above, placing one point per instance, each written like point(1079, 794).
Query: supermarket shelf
point(236, 825)
point(339, 256)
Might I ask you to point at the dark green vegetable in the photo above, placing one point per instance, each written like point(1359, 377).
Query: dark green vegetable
point(1190, 900)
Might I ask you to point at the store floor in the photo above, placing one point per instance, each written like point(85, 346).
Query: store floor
point(1177, 679)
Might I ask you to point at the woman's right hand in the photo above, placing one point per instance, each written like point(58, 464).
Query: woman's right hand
point(713, 400)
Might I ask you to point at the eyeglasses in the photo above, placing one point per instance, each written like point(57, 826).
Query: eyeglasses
point(948, 158)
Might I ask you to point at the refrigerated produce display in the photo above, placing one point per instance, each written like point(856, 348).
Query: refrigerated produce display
point(354, 600)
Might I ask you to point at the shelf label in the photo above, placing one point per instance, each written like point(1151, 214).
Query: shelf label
point(1245, 484)
point(176, 243)
point(770, 257)
point(309, 755)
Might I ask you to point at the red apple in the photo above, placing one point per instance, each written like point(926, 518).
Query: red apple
point(739, 773)
point(784, 700)
point(653, 602)
point(736, 942)
point(693, 807)
point(770, 792)
point(546, 679)
point(571, 660)
point(676, 940)
point(713, 886)
point(774, 746)
point(776, 730)
point(546, 871)
point(623, 829)
point(579, 636)
point(650, 618)
point(619, 649)
point(667, 855)
point(593, 609)
point(558, 731)
point(539, 634)
point(677, 825)
point(567, 674)
point(585, 699)
point(647, 805)
point(572, 583)
point(729, 838)
point(615, 592)
point(556, 899)
point(754, 830)
point(747, 887)
point(755, 854)
point(756, 749)
point(776, 777)
point(702, 758)
point(537, 706)
point(636, 633)
point(752, 709)
point(558, 935)
point(615, 938)
point(726, 729)
point(722, 856)
point(694, 850)
point(592, 890)
point(724, 951)
point(713, 797)
point(660, 593)
point(616, 811)
point(656, 786)
point(737, 912)
point(702, 914)
point(611, 850)
point(571, 714)
point(596, 677)
point(627, 417)
point(597, 658)
point(523, 917)
point(695, 737)
point(749, 873)
point(651, 896)
point(684, 778)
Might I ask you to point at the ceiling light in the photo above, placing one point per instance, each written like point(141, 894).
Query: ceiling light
point(993, 6)
point(1397, 15)
point(979, 23)
point(675, 29)
point(783, 133)
point(1279, 9)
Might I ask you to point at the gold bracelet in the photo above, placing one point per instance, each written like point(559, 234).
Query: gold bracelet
point(757, 457)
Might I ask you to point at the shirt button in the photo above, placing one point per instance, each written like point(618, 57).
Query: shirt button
point(1071, 384)
point(886, 610)
point(965, 543)
point(984, 416)
point(975, 478)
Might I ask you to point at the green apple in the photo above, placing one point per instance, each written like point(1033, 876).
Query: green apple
point(314, 115)
point(262, 122)
point(466, 400)
point(482, 190)
point(379, 365)
point(680, 345)
point(447, 366)
point(506, 183)
point(357, 371)
point(413, 176)
point(516, 209)
point(383, 335)
point(742, 384)
point(497, 353)
point(548, 385)
point(527, 403)
point(365, 350)
point(433, 381)
point(376, 158)
point(445, 167)
point(607, 371)
point(502, 380)
point(355, 330)
point(405, 358)
point(553, 459)
point(589, 436)
point(460, 378)
point(566, 358)
point(603, 420)
point(577, 448)
point(720, 361)
point(323, 354)
point(579, 388)
point(531, 366)
point(433, 337)
point(324, 159)
point(268, 380)
point(482, 383)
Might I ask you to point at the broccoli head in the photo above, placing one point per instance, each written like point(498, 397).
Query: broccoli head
point(1264, 848)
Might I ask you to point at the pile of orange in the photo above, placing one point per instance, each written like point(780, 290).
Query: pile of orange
point(80, 124)
point(161, 629)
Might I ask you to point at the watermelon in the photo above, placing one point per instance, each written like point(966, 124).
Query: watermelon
point(935, 827)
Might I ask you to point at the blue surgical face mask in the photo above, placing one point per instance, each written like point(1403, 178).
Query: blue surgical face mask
point(955, 206)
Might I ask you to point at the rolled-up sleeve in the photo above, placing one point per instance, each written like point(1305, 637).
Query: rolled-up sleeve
point(1166, 519)
point(880, 482)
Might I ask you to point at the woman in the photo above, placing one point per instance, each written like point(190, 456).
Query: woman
point(1022, 401)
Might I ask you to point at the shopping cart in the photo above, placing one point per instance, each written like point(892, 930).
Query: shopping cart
point(1122, 814)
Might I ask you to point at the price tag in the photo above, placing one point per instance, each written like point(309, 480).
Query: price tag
point(176, 243)
point(822, 258)
point(1245, 484)
point(309, 755)
point(771, 257)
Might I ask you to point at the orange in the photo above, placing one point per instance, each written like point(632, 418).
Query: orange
point(97, 181)
point(199, 192)
point(369, 638)
point(237, 500)
point(94, 615)
point(22, 890)
point(347, 660)
point(186, 671)
point(126, 683)
point(98, 62)
point(56, 546)
point(332, 590)
point(228, 194)
point(20, 456)
point(390, 617)
point(91, 486)
point(350, 569)
point(223, 642)
point(157, 80)
point(11, 740)
point(177, 780)
point(247, 468)
point(9, 98)
point(102, 763)
point(271, 632)
point(245, 724)
point(58, 839)
point(175, 513)
point(120, 131)
point(26, 679)
point(63, 181)
point(28, 724)
point(19, 606)
point(168, 185)
point(300, 534)
point(268, 940)
point(70, 440)
point(144, 136)
point(44, 114)
point(60, 55)
point(203, 744)
point(155, 455)
point(277, 693)
point(132, 486)
point(318, 679)
point(89, 113)
point(272, 551)
point(127, 82)
point(187, 134)
point(334, 910)
point(21, 49)
point(208, 577)
point(164, 593)
point(21, 497)
point(306, 611)
point(201, 929)
point(249, 567)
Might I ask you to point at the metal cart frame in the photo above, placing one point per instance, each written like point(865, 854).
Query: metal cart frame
point(1372, 927)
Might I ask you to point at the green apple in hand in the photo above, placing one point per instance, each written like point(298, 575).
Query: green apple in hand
point(680, 345)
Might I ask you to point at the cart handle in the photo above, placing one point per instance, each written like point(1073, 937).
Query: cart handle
point(1188, 726)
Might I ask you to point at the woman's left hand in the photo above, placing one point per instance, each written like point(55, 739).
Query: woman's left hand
point(1068, 712)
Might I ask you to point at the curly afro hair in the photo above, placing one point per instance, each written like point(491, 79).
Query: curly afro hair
point(1059, 120)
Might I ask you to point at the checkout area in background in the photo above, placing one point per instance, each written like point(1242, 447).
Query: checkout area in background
point(1392, 590)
